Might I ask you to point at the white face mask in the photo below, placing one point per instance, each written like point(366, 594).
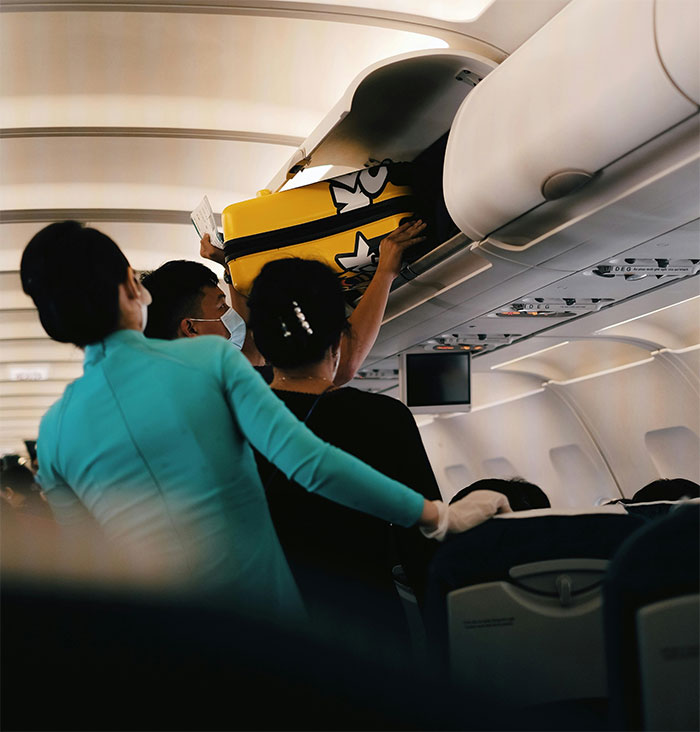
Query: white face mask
point(233, 323)
point(144, 316)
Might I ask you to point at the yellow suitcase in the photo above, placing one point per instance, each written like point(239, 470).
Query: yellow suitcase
point(338, 221)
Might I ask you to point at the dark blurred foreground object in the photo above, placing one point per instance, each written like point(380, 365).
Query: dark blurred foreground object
point(651, 625)
point(112, 660)
point(521, 495)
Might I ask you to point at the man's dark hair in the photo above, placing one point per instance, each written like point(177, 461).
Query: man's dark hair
point(73, 273)
point(667, 489)
point(521, 495)
point(177, 288)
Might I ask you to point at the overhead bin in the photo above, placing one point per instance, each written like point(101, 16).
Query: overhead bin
point(394, 109)
point(587, 89)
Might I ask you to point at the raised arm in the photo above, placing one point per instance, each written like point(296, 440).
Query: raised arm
point(367, 316)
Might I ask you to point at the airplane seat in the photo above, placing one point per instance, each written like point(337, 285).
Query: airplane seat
point(653, 510)
point(651, 625)
point(539, 634)
point(414, 619)
point(660, 496)
point(514, 608)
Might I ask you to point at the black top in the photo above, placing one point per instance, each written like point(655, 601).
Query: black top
point(323, 539)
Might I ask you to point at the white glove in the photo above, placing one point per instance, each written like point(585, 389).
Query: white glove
point(467, 513)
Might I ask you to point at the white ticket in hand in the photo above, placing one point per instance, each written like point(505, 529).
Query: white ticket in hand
point(204, 223)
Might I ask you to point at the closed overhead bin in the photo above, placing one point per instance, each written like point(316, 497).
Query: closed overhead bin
point(598, 81)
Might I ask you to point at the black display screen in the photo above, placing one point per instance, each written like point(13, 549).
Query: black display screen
point(438, 379)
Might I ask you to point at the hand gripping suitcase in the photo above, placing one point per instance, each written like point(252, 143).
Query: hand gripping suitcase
point(340, 221)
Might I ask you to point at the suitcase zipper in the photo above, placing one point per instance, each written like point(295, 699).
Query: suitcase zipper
point(320, 228)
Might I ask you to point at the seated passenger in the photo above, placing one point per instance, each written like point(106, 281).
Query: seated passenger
point(339, 557)
point(667, 489)
point(19, 491)
point(521, 495)
point(153, 440)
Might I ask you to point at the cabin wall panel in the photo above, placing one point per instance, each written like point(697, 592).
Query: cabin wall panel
point(521, 432)
point(622, 407)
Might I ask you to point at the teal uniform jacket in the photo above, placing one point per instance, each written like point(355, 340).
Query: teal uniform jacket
point(154, 442)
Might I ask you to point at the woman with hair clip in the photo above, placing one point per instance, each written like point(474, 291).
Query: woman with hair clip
point(340, 558)
point(153, 441)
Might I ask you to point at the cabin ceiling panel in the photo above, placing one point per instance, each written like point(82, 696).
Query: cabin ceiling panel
point(32, 388)
point(677, 326)
point(146, 246)
point(11, 295)
point(576, 359)
point(500, 25)
point(91, 172)
point(39, 350)
point(466, 10)
point(275, 75)
point(56, 371)
point(20, 324)
point(494, 386)
point(35, 402)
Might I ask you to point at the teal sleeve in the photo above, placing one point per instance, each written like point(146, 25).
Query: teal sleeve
point(306, 459)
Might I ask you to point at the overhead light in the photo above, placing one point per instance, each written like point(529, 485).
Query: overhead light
point(644, 315)
point(529, 355)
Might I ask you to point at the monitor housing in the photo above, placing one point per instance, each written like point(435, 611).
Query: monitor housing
point(433, 382)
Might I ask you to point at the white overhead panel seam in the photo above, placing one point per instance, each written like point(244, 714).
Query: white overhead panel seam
point(189, 133)
point(130, 215)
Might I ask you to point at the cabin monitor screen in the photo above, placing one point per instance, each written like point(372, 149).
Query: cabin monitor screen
point(436, 382)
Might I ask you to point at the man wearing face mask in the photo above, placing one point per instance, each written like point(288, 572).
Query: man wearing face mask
point(188, 302)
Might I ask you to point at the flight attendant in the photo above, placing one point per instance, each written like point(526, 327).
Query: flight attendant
point(154, 440)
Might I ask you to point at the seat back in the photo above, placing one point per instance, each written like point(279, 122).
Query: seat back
point(649, 622)
point(667, 642)
point(537, 637)
point(414, 620)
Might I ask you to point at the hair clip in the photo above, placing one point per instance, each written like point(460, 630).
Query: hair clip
point(302, 318)
point(285, 331)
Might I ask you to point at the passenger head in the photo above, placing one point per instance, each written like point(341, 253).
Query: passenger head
point(288, 293)
point(667, 489)
point(521, 495)
point(187, 302)
point(81, 283)
point(18, 489)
